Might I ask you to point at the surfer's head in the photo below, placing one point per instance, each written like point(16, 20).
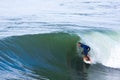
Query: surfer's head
point(79, 44)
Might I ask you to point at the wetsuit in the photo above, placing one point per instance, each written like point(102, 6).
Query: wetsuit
point(86, 49)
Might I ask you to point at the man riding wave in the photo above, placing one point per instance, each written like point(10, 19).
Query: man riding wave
point(86, 49)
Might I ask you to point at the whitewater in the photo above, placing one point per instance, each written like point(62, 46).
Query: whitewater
point(36, 34)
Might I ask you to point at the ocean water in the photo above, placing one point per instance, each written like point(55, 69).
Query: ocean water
point(38, 39)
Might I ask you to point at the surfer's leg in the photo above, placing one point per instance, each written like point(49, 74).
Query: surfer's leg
point(85, 52)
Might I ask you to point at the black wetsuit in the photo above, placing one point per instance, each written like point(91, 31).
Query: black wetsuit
point(86, 49)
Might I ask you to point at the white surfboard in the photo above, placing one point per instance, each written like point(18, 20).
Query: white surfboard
point(87, 61)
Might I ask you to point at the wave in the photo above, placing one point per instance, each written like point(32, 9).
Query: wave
point(38, 56)
point(55, 56)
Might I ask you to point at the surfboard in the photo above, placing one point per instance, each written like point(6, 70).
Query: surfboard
point(87, 61)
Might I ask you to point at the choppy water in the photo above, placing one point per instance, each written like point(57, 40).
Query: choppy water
point(38, 39)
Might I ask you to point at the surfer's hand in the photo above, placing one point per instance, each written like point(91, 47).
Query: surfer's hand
point(82, 53)
point(88, 49)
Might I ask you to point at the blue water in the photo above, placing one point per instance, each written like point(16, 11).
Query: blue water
point(38, 39)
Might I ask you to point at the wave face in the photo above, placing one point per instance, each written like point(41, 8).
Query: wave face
point(52, 56)
point(40, 56)
point(105, 46)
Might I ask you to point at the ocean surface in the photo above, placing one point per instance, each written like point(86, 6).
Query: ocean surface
point(38, 39)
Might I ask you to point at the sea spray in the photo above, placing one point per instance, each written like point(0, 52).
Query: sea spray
point(104, 46)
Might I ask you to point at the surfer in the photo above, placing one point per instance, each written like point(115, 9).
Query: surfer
point(85, 51)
